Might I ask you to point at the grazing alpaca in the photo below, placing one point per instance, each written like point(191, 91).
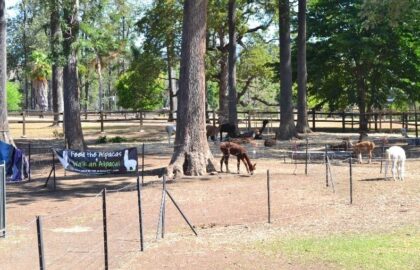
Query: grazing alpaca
point(229, 128)
point(343, 146)
point(258, 136)
point(129, 164)
point(270, 142)
point(397, 155)
point(170, 130)
point(239, 151)
point(212, 132)
point(363, 147)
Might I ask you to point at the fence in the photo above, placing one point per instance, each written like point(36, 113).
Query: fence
point(319, 121)
point(2, 200)
point(75, 237)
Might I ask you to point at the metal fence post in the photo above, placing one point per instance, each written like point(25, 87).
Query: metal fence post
point(268, 196)
point(105, 228)
point(140, 213)
point(40, 243)
point(23, 124)
point(351, 180)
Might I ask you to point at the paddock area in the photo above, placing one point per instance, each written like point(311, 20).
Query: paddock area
point(228, 211)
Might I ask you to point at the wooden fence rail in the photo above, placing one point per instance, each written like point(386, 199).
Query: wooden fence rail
point(377, 121)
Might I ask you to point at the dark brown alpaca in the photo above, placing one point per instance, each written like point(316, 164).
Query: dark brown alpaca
point(258, 135)
point(229, 148)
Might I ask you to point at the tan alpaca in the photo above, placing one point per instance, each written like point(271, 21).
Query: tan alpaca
point(364, 147)
point(229, 148)
point(212, 132)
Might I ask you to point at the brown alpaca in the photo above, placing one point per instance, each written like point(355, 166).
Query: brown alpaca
point(242, 141)
point(363, 147)
point(212, 132)
point(229, 148)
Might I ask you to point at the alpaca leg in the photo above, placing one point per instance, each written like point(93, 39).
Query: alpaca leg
point(370, 157)
point(246, 166)
point(394, 164)
point(239, 162)
point(221, 163)
point(227, 163)
point(402, 168)
point(360, 158)
point(386, 167)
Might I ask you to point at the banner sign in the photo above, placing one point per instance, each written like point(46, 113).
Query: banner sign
point(99, 162)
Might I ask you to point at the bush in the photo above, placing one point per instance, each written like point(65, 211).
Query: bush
point(14, 97)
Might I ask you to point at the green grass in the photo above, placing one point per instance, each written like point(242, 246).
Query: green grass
point(396, 250)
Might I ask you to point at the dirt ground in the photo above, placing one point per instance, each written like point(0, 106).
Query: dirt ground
point(228, 211)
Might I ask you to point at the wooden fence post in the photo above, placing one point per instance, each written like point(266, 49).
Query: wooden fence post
point(415, 122)
point(101, 115)
point(313, 119)
point(23, 124)
point(214, 118)
point(343, 121)
point(390, 122)
point(376, 121)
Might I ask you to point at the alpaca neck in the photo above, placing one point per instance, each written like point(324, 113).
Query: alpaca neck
point(263, 127)
point(248, 161)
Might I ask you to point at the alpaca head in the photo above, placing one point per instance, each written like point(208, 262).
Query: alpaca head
point(265, 122)
point(252, 169)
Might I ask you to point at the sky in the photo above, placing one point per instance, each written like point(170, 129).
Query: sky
point(10, 3)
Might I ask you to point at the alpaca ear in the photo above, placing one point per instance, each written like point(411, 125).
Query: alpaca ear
point(255, 164)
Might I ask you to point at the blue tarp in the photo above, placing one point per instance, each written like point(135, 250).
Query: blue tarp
point(16, 162)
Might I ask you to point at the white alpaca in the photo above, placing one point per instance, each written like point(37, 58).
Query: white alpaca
point(129, 164)
point(397, 155)
point(170, 130)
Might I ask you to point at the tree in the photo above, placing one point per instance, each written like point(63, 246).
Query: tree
point(4, 124)
point(359, 60)
point(302, 107)
point(57, 69)
point(233, 115)
point(148, 95)
point(14, 97)
point(72, 124)
point(287, 126)
point(40, 73)
point(192, 155)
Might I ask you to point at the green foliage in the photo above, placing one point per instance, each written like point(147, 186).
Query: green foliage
point(116, 139)
point(396, 250)
point(40, 65)
point(348, 52)
point(14, 97)
point(141, 87)
point(101, 140)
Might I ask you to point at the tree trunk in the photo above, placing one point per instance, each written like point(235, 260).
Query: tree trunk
point(170, 86)
point(192, 155)
point(302, 106)
point(73, 127)
point(223, 85)
point(109, 87)
point(4, 124)
point(100, 83)
point(233, 115)
point(40, 86)
point(287, 126)
point(57, 70)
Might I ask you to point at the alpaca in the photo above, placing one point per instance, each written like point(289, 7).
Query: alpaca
point(363, 147)
point(363, 136)
point(270, 142)
point(239, 151)
point(245, 140)
point(343, 146)
point(229, 128)
point(258, 135)
point(397, 155)
point(212, 132)
point(170, 130)
point(129, 164)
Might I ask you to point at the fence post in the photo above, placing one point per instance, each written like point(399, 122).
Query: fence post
point(343, 121)
point(40, 243)
point(351, 181)
point(105, 228)
point(268, 196)
point(141, 121)
point(142, 164)
point(306, 158)
point(326, 166)
point(249, 120)
point(101, 115)
point(380, 122)
point(376, 121)
point(415, 122)
point(214, 118)
point(29, 162)
point(140, 214)
point(390, 122)
point(23, 124)
point(313, 119)
point(352, 121)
